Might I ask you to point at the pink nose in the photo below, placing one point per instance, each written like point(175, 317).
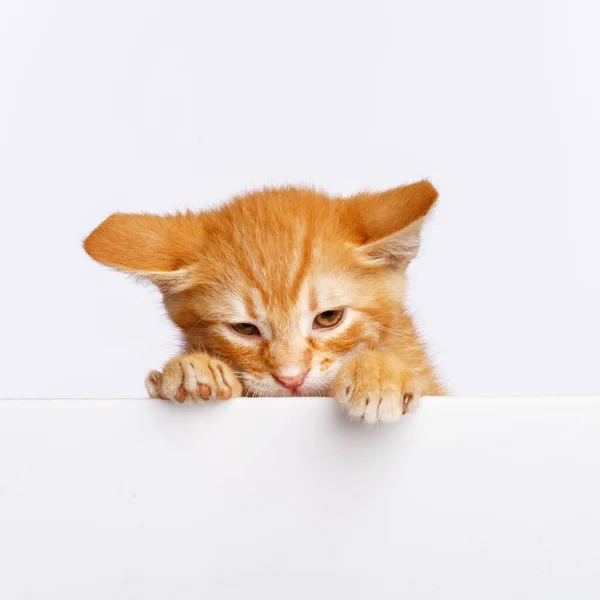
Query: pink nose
point(291, 383)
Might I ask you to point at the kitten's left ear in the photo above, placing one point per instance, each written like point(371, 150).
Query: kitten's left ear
point(152, 247)
point(390, 222)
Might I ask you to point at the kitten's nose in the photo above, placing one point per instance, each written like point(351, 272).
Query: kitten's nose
point(290, 382)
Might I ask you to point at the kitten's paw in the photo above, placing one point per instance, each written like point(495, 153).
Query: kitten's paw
point(376, 386)
point(193, 378)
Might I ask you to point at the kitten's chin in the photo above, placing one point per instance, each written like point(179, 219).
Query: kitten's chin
point(264, 388)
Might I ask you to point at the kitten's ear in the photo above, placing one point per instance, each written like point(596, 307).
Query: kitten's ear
point(150, 246)
point(390, 222)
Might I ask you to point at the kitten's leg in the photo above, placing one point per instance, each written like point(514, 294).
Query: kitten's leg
point(192, 378)
point(380, 386)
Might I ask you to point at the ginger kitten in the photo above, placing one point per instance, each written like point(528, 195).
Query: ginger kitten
point(285, 292)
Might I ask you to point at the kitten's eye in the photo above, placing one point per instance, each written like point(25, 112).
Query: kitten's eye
point(246, 328)
point(329, 318)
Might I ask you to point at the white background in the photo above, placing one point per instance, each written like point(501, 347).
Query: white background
point(152, 105)
point(270, 499)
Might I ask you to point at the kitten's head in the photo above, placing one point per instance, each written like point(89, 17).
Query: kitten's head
point(282, 284)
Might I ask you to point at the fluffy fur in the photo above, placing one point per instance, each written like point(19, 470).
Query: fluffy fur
point(275, 260)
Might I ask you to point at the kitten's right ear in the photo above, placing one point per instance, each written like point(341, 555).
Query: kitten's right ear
point(390, 222)
point(150, 246)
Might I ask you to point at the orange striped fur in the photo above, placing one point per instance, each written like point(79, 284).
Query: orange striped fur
point(274, 260)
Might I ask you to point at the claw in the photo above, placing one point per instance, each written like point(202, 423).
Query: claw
point(181, 394)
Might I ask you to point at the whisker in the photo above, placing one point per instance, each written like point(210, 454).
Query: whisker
point(174, 342)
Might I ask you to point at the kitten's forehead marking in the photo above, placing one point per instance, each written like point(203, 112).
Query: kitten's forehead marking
point(278, 263)
point(302, 258)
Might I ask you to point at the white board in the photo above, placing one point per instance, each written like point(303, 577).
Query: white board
point(285, 499)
